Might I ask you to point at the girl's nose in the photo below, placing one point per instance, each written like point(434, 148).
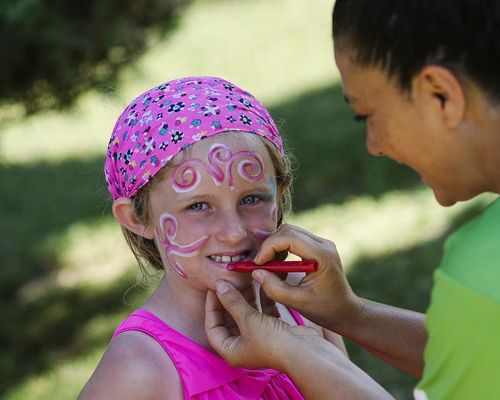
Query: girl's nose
point(231, 227)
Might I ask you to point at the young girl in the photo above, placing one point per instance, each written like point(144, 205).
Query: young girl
point(199, 179)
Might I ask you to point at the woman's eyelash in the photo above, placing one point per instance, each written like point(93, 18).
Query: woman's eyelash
point(360, 118)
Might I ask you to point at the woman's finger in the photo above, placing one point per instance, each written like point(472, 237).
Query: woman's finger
point(218, 334)
point(288, 239)
point(268, 305)
point(278, 290)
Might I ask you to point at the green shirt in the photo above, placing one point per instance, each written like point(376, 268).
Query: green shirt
point(462, 356)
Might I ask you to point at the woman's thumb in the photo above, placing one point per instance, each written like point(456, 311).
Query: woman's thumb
point(275, 288)
point(233, 301)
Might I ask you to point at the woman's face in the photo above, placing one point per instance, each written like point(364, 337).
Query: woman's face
point(215, 206)
point(408, 130)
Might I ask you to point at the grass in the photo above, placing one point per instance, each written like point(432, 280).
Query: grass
point(66, 277)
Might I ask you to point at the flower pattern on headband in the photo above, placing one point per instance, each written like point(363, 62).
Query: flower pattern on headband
point(166, 119)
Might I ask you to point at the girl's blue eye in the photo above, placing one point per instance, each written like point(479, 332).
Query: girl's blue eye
point(198, 206)
point(249, 200)
point(360, 118)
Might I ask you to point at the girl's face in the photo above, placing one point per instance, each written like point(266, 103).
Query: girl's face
point(216, 205)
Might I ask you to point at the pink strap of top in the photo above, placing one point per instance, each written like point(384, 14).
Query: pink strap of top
point(296, 316)
point(205, 375)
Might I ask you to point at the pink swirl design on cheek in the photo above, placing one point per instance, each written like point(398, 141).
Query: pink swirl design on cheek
point(263, 234)
point(167, 236)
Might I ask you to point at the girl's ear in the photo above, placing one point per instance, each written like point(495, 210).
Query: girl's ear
point(123, 210)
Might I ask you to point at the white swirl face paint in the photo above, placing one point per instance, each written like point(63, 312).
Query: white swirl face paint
point(249, 165)
point(167, 233)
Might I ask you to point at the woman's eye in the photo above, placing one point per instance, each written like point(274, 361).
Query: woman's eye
point(198, 206)
point(360, 118)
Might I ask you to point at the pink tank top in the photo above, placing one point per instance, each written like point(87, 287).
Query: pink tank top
point(205, 375)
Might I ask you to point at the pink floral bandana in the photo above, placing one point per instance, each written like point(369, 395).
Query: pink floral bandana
point(172, 116)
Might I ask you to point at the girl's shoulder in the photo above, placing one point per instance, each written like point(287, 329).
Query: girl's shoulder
point(134, 366)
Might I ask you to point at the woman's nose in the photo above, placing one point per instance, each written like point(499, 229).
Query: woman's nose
point(372, 144)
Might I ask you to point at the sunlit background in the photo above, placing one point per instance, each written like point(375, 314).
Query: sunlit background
point(67, 278)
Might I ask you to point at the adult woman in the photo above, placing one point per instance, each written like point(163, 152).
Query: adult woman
point(423, 75)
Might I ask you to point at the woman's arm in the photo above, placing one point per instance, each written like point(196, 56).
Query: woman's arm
point(395, 335)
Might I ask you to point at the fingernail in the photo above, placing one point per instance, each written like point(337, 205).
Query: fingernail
point(222, 287)
point(258, 276)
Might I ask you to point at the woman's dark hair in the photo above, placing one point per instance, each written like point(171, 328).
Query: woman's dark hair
point(403, 36)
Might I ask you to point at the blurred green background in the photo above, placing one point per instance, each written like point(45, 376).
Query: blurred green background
point(66, 275)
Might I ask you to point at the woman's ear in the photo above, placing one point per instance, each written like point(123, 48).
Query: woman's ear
point(445, 92)
point(123, 210)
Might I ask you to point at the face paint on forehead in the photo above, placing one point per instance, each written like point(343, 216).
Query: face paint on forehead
point(166, 233)
point(186, 176)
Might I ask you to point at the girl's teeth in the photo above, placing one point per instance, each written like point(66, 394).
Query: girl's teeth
point(227, 259)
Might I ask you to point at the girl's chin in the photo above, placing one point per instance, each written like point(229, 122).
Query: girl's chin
point(240, 282)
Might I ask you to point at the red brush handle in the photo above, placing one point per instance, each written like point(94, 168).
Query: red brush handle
point(274, 266)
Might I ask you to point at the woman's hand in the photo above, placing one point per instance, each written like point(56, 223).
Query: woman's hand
point(318, 368)
point(392, 334)
point(324, 296)
point(261, 340)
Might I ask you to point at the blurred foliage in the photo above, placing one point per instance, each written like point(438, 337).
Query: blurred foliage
point(54, 50)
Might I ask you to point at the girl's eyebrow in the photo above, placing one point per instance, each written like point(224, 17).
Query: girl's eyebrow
point(187, 198)
point(260, 188)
